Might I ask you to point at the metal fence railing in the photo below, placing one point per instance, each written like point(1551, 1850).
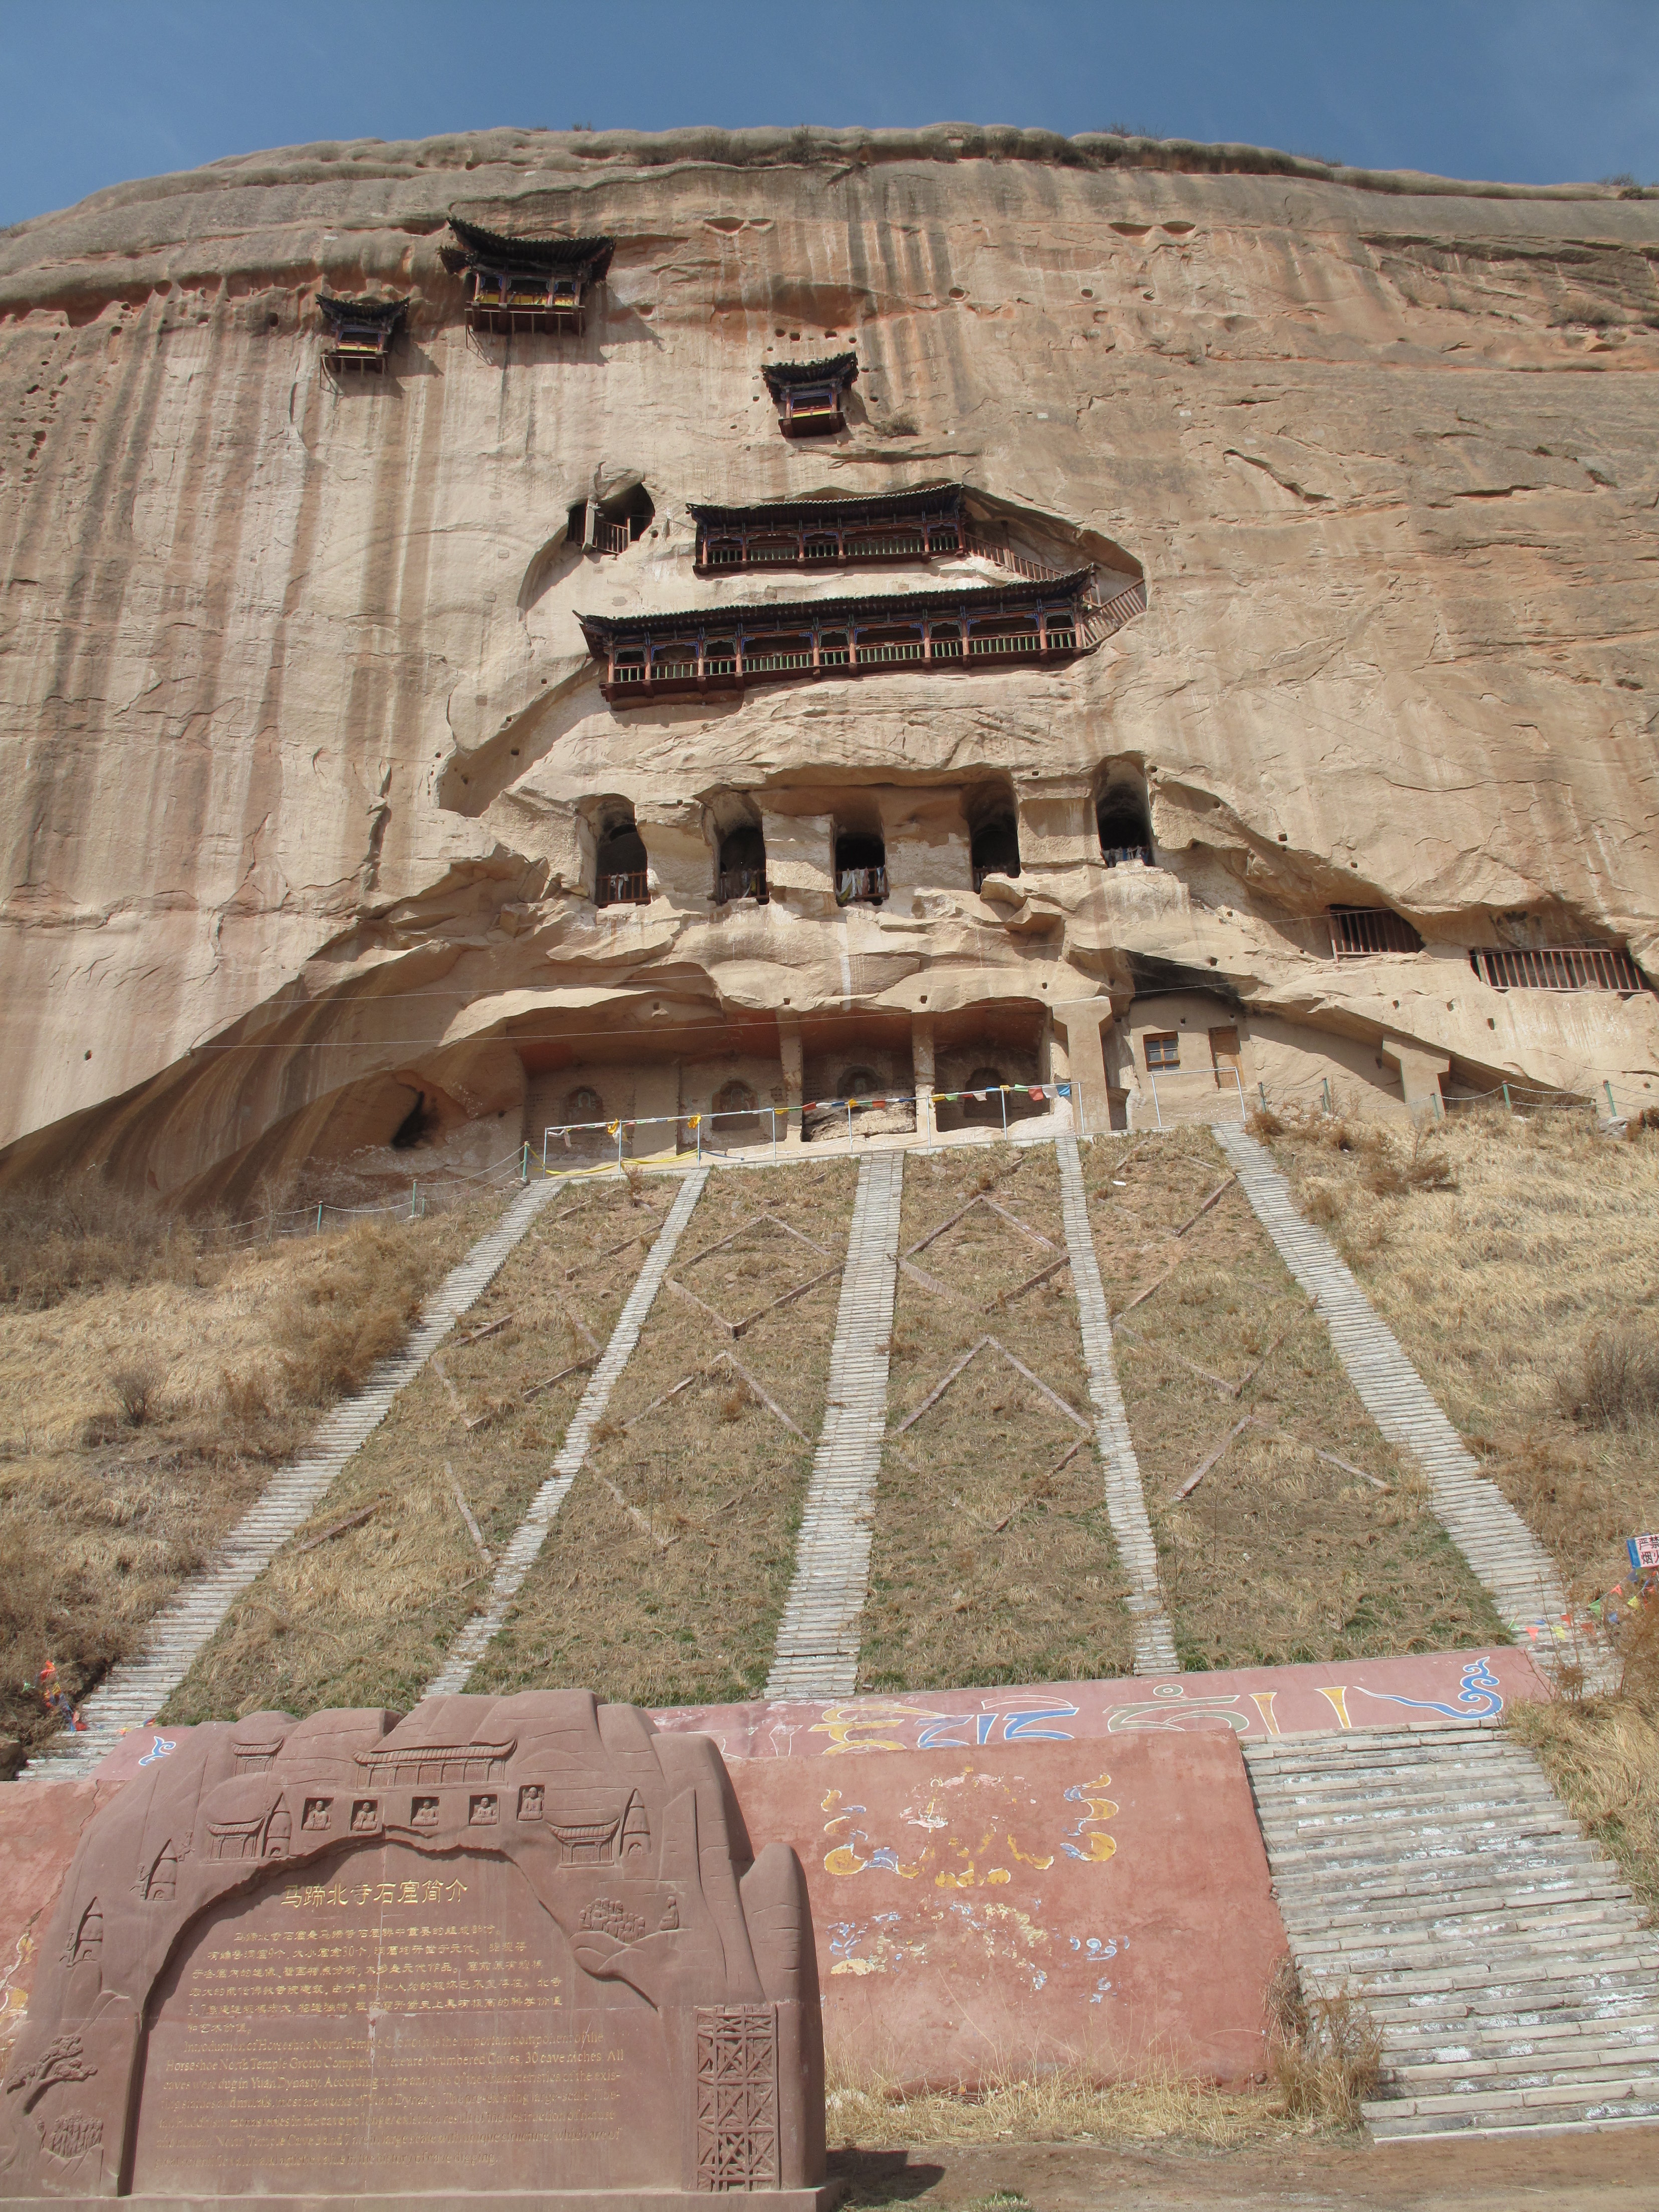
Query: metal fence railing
point(761, 1129)
point(1198, 1094)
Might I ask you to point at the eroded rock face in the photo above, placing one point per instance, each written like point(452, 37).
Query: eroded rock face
point(310, 768)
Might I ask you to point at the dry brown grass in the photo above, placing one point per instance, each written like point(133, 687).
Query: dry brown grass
point(85, 1235)
point(1059, 2105)
point(664, 1577)
point(1601, 1755)
point(993, 1559)
point(363, 1618)
point(1528, 1295)
point(1327, 2051)
point(143, 1407)
point(1277, 1555)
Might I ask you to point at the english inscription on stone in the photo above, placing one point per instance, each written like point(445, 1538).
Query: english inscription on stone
point(513, 1944)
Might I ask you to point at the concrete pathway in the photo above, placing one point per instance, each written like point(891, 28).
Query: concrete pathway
point(818, 1647)
point(531, 1533)
point(1517, 1573)
point(139, 1687)
point(1434, 1873)
point(1126, 1498)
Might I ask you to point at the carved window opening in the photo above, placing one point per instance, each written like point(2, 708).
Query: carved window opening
point(611, 525)
point(358, 335)
point(1124, 822)
point(741, 870)
point(860, 868)
point(525, 284)
point(810, 396)
point(993, 849)
point(620, 874)
point(1163, 1050)
point(1357, 932)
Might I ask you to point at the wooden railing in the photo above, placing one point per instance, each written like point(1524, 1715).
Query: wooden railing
point(813, 546)
point(739, 884)
point(860, 886)
point(1040, 572)
point(631, 890)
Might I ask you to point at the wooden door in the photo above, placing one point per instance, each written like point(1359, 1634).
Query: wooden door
point(1224, 1055)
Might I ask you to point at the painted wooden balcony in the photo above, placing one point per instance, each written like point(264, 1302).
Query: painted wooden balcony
point(700, 653)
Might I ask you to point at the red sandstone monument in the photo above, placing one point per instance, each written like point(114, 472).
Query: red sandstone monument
point(517, 1943)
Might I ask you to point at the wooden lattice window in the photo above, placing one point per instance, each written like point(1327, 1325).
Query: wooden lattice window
point(1164, 1049)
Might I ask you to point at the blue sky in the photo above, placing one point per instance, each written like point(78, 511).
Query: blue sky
point(95, 91)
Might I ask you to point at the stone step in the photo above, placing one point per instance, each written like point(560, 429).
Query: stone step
point(1631, 2096)
point(1499, 1955)
point(138, 1688)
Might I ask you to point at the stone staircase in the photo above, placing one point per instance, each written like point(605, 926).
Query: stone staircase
point(1126, 1496)
point(818, 1648)
point(1517, 1573)
point(1434, 1873)
point(140, 1686)
point(525, 1546)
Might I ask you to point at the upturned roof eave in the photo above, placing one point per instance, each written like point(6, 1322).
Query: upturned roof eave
point(601, 630)
point(935, 498)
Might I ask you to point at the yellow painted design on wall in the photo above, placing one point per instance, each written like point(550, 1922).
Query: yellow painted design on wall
point(1337, 1699)
point(846, 1726)
point(1092, 1845)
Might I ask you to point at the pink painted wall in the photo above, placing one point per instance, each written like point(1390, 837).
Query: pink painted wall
point(986, 1912)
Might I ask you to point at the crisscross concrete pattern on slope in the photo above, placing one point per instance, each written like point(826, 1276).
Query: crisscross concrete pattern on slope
point(1435, 1874)
point(1126, 1498)
point(818, 1647)
point(531, 1534)
point(1493, 1537)
point(139, 1687)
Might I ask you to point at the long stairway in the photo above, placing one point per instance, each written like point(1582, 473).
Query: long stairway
point(139, 1687)
point(818, 1647)
point(1434, 1873)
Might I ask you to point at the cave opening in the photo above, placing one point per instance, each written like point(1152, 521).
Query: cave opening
point(860, 868)
point(1124, 820)
point(621, 872)
point(741, 869)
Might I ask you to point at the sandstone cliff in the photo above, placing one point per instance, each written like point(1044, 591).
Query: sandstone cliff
point(307, 757)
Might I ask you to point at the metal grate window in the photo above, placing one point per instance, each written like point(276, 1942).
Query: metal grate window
point(1559, 968)
point(1359, 931)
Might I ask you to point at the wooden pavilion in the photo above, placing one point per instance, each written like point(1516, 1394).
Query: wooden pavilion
point(358, 334)
point(809, 394)
point(526, 283)
point(698, 652)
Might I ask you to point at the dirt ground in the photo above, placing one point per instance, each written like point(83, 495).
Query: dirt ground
point(662, 1580)
point(992, 1560)
point(152, 1375)
point(1602, 2173)
point(1307, 1538)
point(1540, 1242)
point(364, 1616)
